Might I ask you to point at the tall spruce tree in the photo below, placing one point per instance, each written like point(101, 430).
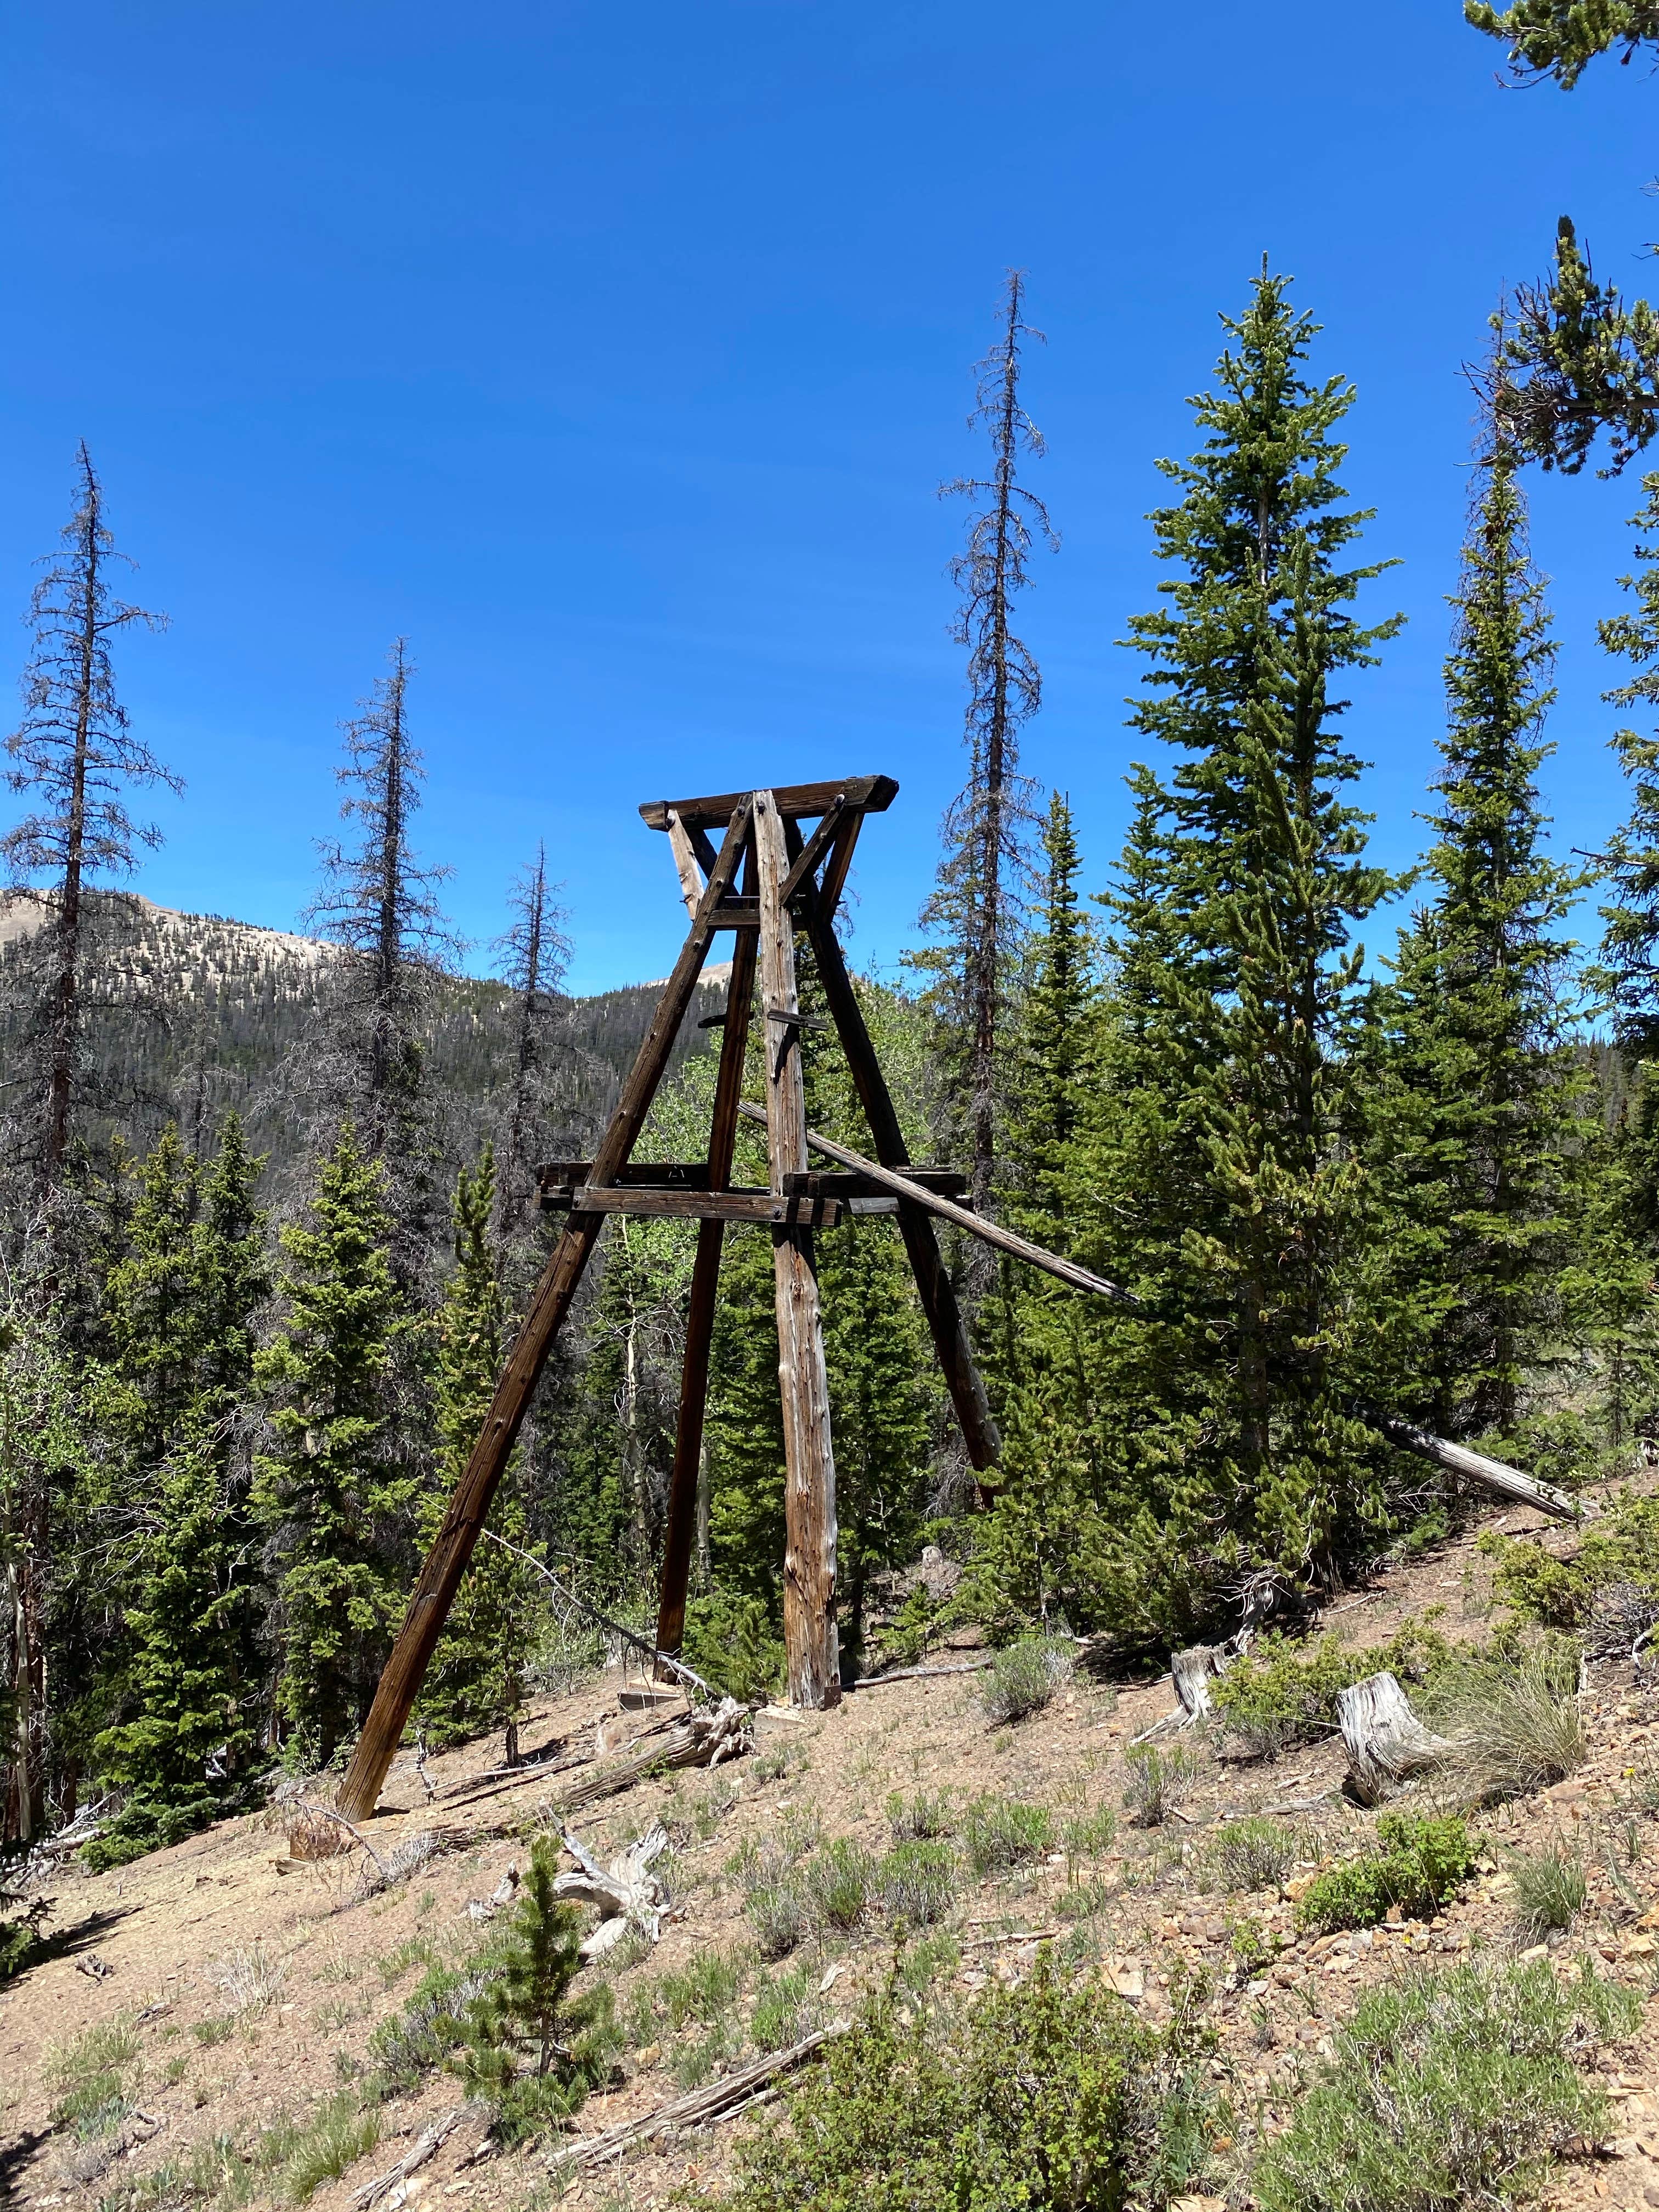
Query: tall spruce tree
point(538, 1103)
point(1205, 1439)
point(1048, 1056)
point(337, 1491)
point(476, 1680)
point(976, 911)
point(1487, 1140)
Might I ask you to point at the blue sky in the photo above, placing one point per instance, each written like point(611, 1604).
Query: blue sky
point(614, 355)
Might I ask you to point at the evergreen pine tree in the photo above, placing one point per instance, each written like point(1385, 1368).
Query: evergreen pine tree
point(1203, 1443)
point(1049, 1058)
point(534, 2050)
point(1487, 1141)
point(337, 1492)
point(476, 1679)
point(180, 1307)
point(540, 1100)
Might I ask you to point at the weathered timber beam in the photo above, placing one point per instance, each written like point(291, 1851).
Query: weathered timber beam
point(871, 795)
point(677, 1174)
point(680, 1534)
point(951, 1182)
point(802, 1206)
point(933, 1286)
point(737, 914)
point(989, 1232)
point(685, 862)
point(458, 1532)
point(834, 873)
point(816, 846)
point(1491, 1473)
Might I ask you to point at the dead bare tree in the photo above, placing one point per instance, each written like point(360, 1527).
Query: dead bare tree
point(75, 756)
point(977, 902)
point(379, 906)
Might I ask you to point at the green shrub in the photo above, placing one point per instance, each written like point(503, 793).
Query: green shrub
point(920, 1817)
point(1423, 1859)
point(1024, 1676)
point(1252, 1854)
point(417, 2040)
point(706, 1991)
point(779, 1915)
point(918, 1882)
point(94, 2078)
point(839, 1882)
point(1089, 1835)
point(1549, 1892)
point(342, 2132)
point(1446, 2091)
point(1002, 1832)
point(1157, 1780)
point(1038, 2097)
point(1621, 1546)
point(1284, 1690)
point(787, 2009)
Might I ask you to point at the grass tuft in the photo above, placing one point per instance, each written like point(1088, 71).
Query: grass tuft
point(1024, 1676)
point(1549, 1892)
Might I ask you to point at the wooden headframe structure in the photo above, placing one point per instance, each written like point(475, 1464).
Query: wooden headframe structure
point(770, 876)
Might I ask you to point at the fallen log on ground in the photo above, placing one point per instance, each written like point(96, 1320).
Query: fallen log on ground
point(702, 1739)
point(1385, 1741)
point(918, 1673)
point(424, 2146)
point(719, 2100)
point(1491, 1473)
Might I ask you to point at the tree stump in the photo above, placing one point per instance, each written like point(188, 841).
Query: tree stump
point(1385, 1741)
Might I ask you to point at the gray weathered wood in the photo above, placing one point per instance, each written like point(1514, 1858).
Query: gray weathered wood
point(809, 1561)
point(1385, 1741)
point(686, 861)
point(816, 846)
point(990, 1232)
point(699, 1204)
point(1491, 1473)
point(871, 795)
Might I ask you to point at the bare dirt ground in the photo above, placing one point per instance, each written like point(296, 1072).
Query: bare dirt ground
point(253, 1985)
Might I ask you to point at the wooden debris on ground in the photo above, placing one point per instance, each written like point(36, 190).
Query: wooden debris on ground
point(1385, 1741)
point(703, 1739)
point(718, 2100)
point(626, 1894)
point(426, 2146)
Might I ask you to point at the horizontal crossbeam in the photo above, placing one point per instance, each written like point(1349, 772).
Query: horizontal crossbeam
point(802, 1210)
point(868, 794)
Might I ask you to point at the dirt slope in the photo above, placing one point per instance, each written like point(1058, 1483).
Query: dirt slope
point(251, 1988)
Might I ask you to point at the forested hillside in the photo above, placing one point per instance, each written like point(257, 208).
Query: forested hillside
point(1360, 1214)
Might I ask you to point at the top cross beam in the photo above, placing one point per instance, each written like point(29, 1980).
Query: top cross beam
point(869, 795)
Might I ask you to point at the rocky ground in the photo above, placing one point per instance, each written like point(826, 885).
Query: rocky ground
point(244, 1987)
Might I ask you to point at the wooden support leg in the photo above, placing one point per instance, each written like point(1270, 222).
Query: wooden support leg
point(809, 1560)
point(939, 1300)
point(700, 1319)
point(451, 1549)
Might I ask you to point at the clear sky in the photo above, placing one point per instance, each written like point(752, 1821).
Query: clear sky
point(614, 355)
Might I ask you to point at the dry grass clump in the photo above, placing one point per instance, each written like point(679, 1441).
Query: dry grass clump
point(251, 1979)
point(312, 1835)
point(1514, 1724)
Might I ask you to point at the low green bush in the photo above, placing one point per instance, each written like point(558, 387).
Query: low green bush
point(920, 1817)
point(839, 1882)
point(737, 1643)
point(1156, 1781)
point(1024, 1676)
point(341, 2132)
point(1252, 1854)
point(1037, 2097)
point(706, 1991)
point(917, 1882)
point(999, 1832)
point(1621, 1546)
point(780, 1917)
point(1549, 1892)
point(1284, 1690)
point(1446, 2091)
point(1423, 1858)
point(785, 2009)
point(94, 2078)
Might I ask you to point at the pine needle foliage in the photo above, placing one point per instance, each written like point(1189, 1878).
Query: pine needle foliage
point(1487, 1141)
point(533, 2049)
point(335, 1491)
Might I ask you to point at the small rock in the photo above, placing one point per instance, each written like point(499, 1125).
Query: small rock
point(1534, 1951)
